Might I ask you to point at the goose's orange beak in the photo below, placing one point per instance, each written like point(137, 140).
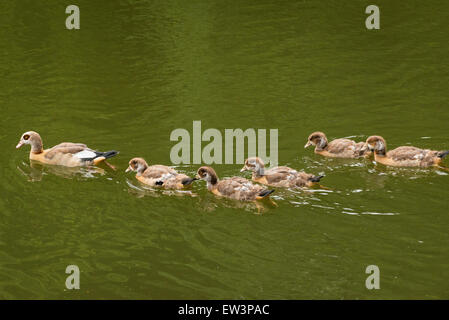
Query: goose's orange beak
point(19, 144)
point(308, 144)
point(128, 169)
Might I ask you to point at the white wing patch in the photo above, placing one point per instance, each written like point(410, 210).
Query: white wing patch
point(85, 154)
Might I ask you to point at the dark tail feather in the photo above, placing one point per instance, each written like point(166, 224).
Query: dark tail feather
point(188, 181)
point(316, 178)
point(265, 193)
point(159, 183)
point(443, 154)
point(110, 154)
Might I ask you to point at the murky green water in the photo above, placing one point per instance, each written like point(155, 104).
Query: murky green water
point(136, 70)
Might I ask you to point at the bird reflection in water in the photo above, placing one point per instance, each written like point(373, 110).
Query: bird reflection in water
point(35, 171)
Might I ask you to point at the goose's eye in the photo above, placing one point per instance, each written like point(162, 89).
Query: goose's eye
point(26, 137)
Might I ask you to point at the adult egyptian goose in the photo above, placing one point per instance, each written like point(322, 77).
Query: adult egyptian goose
point(406, 156)
point(237, 188)
point(278, 176)
point(338, 148)
point(64, 154)
point(158, 175)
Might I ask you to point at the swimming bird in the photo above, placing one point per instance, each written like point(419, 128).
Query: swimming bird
point(406, 156)
point(235, 188)
point(338, 148)
point(278, 176)
point(64, 154)
point(158, 175)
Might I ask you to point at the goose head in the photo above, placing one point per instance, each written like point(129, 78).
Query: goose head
point(32, 138)
point(137, 165)
point(207, 174)
point(376, 144)
point(254, 164)
point(317, 139)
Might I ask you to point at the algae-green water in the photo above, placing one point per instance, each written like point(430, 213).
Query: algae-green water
point(137, 70)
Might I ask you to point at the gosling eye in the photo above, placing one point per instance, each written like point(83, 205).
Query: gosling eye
point(26, 137)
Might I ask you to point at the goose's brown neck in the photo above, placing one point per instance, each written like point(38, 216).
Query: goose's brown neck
point(380, 153)
point(36, 145)
point(259, 172)
point(322, 145)
point(212, 183)
point(141, 168)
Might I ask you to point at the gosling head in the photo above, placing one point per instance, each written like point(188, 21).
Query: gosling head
point(376, 144)
point(254, 164)
point(207, 174)
point(317, 139)
point(137, 165)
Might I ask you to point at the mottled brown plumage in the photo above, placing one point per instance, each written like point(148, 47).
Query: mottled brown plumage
point(65, 148)
point(278, 176)
point(235, 188)
point(158, 175)
point(406, 156)
point(65, 154)
point(338, 148)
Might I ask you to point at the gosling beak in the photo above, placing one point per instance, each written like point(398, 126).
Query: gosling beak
point(197, 177)
point(243, 169)
point(19, 144)
point(308, 144)
point(128, 169)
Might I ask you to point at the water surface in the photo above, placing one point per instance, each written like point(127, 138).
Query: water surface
point(136, 70)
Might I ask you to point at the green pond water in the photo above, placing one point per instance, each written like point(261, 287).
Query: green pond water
point(137, 70)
